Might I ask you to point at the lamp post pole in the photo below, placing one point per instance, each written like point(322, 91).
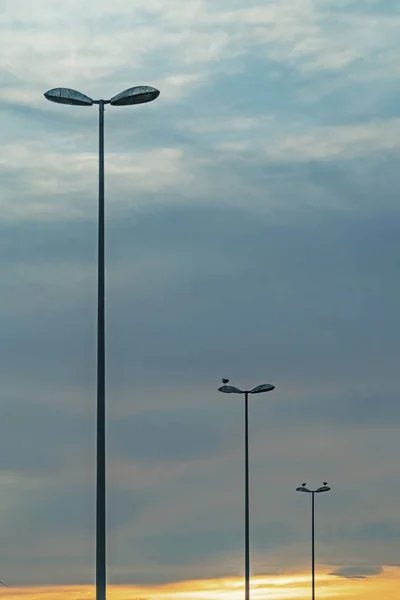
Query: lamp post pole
point(101, 541)
point(135, 95)
point(303, 488)
point(229, 389)
point(313, 545)
point(247, 499)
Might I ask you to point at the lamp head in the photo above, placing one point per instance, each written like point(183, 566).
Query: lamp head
point(68, 96)
point(135, 95)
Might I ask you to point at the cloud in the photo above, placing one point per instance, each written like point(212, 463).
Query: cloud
point(252, 232)
point(357, 572)
point(39, 438)
point(170, 433)
point(288, 585)
point(46, 176)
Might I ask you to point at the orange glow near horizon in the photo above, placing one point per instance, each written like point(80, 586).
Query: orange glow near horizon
point(274, 587)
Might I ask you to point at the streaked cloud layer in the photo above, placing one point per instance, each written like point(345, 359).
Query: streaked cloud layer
point(252, 233)
point(277, 587)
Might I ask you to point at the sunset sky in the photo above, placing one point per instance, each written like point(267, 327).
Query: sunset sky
point(253, 232)
point(288, 587)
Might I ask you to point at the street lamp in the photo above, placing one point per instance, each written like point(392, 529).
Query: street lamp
point(230, 389)
point(303, 488)
point(134, 95)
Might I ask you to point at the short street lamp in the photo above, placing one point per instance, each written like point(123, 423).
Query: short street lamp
point(259, 389)
point(303, 488)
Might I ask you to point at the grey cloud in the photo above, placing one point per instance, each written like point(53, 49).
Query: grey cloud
point(40, 118)
point(378, 530)
point(379, 407)
point(299, 287)
point(62, 509)
point(357, 572)
point(50, 531)
point(189, 548)
point(69, 509)
point(166, 435)
point(40, 243)
point(318, 290)
point(37, 439)
point(295, 269)
point(357, 8)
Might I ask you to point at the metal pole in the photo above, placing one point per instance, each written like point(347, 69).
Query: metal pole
point(101, 397)
point(247, 509)
point(313, 545)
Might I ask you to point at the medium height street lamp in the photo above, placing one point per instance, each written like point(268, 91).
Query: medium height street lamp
point(260, 389)
point(134, 95)
point(303, 488)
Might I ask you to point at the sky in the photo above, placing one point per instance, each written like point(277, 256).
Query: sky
point(253, 233)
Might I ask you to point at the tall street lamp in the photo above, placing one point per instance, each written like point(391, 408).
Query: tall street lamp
point(134, 95)
point(303, 488)
point(230, 389)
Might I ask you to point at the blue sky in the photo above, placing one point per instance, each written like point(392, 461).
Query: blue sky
point(252, 233)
